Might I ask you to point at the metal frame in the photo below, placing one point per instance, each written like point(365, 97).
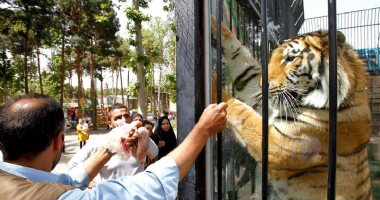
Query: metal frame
point(332, 101)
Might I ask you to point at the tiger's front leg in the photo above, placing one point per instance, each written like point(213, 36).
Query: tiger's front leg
point(245, 69)
point(284, 160)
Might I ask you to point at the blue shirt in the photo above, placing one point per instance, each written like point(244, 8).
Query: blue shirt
point(76, 176)
point(158, 181)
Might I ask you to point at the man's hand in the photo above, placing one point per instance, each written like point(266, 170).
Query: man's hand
point(213, 119)
point(123, 140)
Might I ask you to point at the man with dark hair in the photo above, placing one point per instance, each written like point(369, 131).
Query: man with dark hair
point(25, 172)
point(118, 112)
point(25, 119)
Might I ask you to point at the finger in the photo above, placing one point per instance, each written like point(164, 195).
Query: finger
point(136, 124)
point(222, 106)
point(132, 131)
point(211, 106)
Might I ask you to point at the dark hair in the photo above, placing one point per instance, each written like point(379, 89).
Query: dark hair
point(169, 137)
point(116, 106)
point(134, 114)
point(29, 129)
point(145, 122)
point(158, 129)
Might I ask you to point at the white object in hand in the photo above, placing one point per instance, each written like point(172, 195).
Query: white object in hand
point(113, 143)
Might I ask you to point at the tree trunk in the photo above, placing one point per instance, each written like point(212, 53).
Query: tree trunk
point(117, 80)
point(128, 93)
point(121, 83)
point(159, 92)
point(101, 91)
point(71, 95)
point(39, 70)
point(141, 95)
point(92, 90)
point(26, 43)
point(113, 86)
point(78, 61)
point(4, 92)
point(153, 100)
point(62, 67)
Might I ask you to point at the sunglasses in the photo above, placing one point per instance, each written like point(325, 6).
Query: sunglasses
point(125, 116)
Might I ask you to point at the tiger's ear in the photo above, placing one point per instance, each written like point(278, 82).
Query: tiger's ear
point(341, 38)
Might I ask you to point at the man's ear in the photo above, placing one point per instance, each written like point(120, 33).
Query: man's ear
point(58, 141)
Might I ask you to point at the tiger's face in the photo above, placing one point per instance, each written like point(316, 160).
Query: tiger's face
point(298, 73)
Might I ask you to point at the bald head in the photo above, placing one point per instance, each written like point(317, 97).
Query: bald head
point(28, 125)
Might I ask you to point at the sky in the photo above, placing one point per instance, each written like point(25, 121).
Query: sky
point(317, 8)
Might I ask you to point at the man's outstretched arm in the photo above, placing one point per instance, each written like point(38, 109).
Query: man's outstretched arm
point(212, 121)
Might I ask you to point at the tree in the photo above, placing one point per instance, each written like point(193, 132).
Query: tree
point(134, 13)
point(102, 25)
point(159, 46)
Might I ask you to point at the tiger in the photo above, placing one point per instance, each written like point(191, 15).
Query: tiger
point(298, 78)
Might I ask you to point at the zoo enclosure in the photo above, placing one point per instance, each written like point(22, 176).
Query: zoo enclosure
point(285, 20)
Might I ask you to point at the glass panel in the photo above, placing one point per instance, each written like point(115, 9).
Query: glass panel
point(306, 159)
point(238, 166)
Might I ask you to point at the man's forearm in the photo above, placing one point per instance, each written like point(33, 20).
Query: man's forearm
point(186, 153)
point(95, 163)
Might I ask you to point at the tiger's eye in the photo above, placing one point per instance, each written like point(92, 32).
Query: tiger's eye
point(289, 58)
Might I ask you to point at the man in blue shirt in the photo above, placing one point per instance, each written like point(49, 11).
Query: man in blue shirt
point(31, 139)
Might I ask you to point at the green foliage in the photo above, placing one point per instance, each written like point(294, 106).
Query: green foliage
point(169, 5)
point(144, 3)
point(88, 26)
point(170, 85)
point(143, 58)
point(132, 89)
point(136, 15)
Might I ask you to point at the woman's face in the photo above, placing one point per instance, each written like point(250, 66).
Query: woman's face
point(165, 125)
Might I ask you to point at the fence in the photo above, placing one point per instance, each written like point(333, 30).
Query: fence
point(362, 31)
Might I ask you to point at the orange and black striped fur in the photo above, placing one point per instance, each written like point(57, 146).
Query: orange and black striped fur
point(298, 127)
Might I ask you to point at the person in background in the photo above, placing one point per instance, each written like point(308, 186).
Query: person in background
point(155, 138)
point(149, 126)
point(137, 117)
point(118, 114)
point(86, 128)
point(168, 140)
point(32, 147)
point(82, 133)
point(116, 166)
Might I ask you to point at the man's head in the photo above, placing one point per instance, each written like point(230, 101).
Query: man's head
point(149, 126)
point(28, 126)
point(119, 111)
point(137, 117)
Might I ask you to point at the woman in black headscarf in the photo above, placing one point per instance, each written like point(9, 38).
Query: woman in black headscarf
point(168, 140)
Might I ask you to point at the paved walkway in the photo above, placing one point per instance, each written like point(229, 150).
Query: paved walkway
point(72, 146)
